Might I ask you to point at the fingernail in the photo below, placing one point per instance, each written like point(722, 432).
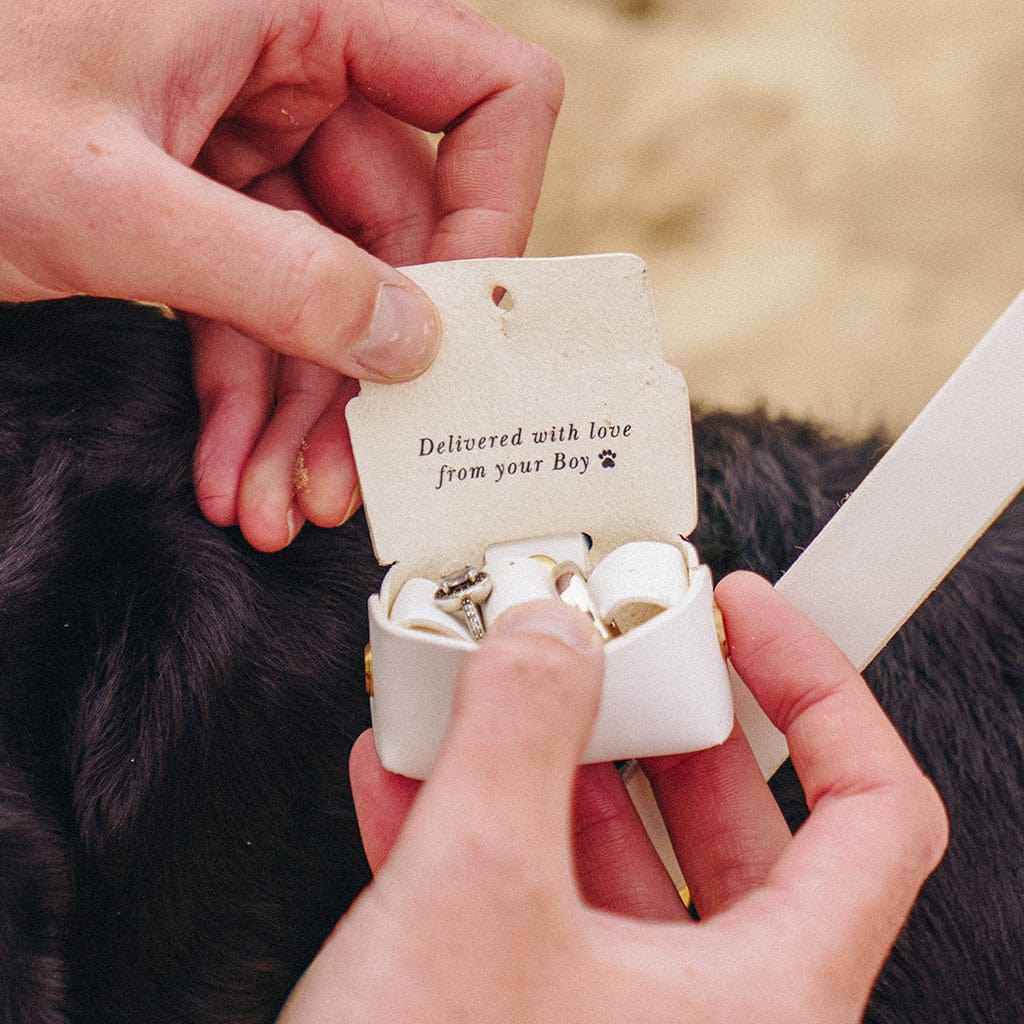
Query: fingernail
point(292, 522)
point(354, 502)
point(403, 336)
point(552, 618)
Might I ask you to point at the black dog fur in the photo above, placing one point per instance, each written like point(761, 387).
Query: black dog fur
point(176, 710)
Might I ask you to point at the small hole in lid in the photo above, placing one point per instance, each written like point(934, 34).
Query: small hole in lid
point(502, 298)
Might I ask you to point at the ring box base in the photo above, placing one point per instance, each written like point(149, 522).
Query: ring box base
point(666, 687)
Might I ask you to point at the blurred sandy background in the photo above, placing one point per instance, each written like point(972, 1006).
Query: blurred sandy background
point(829, 195)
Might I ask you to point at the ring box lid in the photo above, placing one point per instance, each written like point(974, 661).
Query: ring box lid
point(549, 410)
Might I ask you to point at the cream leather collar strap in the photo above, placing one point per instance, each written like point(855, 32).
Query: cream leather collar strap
point(933, 494)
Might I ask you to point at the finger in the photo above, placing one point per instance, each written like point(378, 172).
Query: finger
point(494, 96)
point(268, 513)
point(234, 381)
point(373, 179)
point(276, 276)
point(497, 803)
point(617, 867)
point(382, 800)
point(326, 485)
point(319, 477)
point(726, 830)
point(260, 136)
point(846, 883)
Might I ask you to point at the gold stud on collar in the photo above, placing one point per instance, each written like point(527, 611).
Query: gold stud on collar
point(723, 640)
point(368, 668)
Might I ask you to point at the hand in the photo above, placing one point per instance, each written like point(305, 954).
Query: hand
point(476, 912)
point(145, 150)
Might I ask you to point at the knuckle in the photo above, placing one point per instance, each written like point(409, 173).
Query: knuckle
point(289, 306)
point(302, 304)
point(399, 236)
point(546, 74)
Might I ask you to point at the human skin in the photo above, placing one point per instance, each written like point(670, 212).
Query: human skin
point(512, 887)
point(263, 165)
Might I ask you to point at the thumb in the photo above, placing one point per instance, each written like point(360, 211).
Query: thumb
point(276, 276)
point(524, 708)
point(525, 704)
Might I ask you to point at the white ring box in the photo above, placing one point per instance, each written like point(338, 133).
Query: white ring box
point(550, 415)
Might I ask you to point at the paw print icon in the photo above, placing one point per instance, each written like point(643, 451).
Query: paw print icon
point(608, 458)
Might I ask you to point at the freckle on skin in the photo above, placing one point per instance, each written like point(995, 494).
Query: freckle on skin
point(95, 148)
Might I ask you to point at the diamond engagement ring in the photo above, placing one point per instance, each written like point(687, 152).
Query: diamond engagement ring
point(463, 591)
